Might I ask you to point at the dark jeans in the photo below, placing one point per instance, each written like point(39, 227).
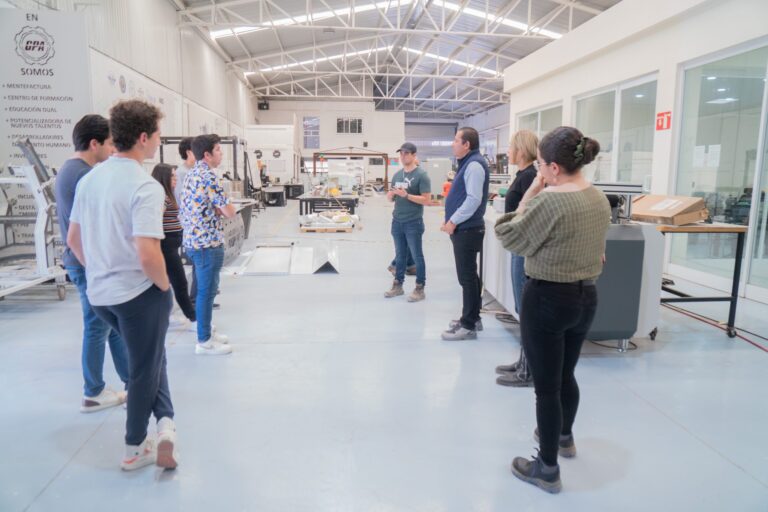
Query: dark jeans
point(518, 283)
point(142, 322)
point(170, 246)
point(467, 245)
point(208, 263)
point(407, 236)
point(95, 333)
point(555, 320)
point(408, 260)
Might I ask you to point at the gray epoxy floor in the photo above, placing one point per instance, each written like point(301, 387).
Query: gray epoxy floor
point(336, 399)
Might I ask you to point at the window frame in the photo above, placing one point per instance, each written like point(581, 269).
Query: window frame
point(305, 131)
point(538, 111)
point(617, 89)
point(347, 123)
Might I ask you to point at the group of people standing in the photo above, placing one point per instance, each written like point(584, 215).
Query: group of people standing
point(555, 226)
point(124, 229)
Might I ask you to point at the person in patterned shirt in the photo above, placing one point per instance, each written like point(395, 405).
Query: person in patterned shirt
point(203, 203)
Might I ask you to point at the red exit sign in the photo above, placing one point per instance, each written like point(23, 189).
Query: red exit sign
point(663, 121)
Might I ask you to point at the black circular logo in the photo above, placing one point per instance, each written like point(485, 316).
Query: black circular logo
point(258, 153)
point(276, 153)
point(34, 45)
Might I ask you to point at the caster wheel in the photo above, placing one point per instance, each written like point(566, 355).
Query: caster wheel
point(653, 333)
point(731, 332)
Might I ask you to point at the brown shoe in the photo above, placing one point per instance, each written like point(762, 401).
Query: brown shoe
point(417, 294)
point(397, 289)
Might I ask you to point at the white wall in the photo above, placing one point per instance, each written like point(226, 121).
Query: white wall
point(383, 131)
point(632, 39)
point(143, 37)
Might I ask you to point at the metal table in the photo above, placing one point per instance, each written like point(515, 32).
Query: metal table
point(734, 296)
point(311, 204)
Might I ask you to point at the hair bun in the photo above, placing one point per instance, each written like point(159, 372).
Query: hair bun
point(590, 150)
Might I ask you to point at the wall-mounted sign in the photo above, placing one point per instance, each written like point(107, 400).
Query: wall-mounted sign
point(45, 90)
point(44, 83)
point(663, 121)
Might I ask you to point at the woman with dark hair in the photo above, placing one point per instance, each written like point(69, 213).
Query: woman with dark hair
point(560, 230)
point(166, 175)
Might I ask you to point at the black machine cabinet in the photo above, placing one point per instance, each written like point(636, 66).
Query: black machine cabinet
point(618, 287)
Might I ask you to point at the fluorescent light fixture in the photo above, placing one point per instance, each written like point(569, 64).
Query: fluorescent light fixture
point(433, 56)
point(722, 89)
point(322, 59)
point(711, 78)
point(318, 16)
point(496, 19)
point(639, 95)
point(452, 62)
point(227, 32)
point(722, 101)
point(385, 6)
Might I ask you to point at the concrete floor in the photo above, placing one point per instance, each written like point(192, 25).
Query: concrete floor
point(337, 399)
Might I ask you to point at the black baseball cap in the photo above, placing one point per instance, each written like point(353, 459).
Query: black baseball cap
point(408, 147)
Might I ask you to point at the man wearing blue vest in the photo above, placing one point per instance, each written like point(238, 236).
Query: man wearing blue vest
point(464, 210)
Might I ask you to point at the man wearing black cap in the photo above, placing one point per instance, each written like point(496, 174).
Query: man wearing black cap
point(410, 190)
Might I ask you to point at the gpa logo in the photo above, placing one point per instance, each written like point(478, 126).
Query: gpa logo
point(34, 45)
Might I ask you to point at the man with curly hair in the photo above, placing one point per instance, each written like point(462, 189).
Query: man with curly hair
point(203, 203)
point(115, 230)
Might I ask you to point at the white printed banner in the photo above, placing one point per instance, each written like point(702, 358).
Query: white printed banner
point(45, 90)
point(44, 83)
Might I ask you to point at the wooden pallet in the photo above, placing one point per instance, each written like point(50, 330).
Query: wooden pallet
point(329, 229)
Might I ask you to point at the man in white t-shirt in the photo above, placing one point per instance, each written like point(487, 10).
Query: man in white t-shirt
point(115, 230)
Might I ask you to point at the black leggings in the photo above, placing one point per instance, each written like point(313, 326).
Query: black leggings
point(555, 319)
point(170, 246)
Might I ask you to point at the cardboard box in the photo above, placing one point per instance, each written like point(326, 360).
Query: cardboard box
point(674, 210)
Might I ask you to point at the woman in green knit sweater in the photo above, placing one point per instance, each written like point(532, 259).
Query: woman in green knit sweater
point(561, 232)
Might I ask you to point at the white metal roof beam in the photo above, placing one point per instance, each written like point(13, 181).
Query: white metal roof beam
point(362, 73)
point(338, 96)
point(539, 23)
point(451, 23)
point(206, 8)
point(463, 45)
point(309, 47)
point(579, 6)
point(382, 30)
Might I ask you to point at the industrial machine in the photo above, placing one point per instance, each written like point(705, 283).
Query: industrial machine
point(30, 244)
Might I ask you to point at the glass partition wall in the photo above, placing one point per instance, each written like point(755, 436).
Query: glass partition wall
point(722, 159)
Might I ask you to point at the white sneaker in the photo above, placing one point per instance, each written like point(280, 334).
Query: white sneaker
point(107, 398)
point(221, 338)
point(166, 444)
point(213, 347)
point(139, 456)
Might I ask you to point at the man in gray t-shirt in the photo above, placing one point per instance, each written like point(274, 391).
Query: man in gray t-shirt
point(93, 145)
point(410, 190)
